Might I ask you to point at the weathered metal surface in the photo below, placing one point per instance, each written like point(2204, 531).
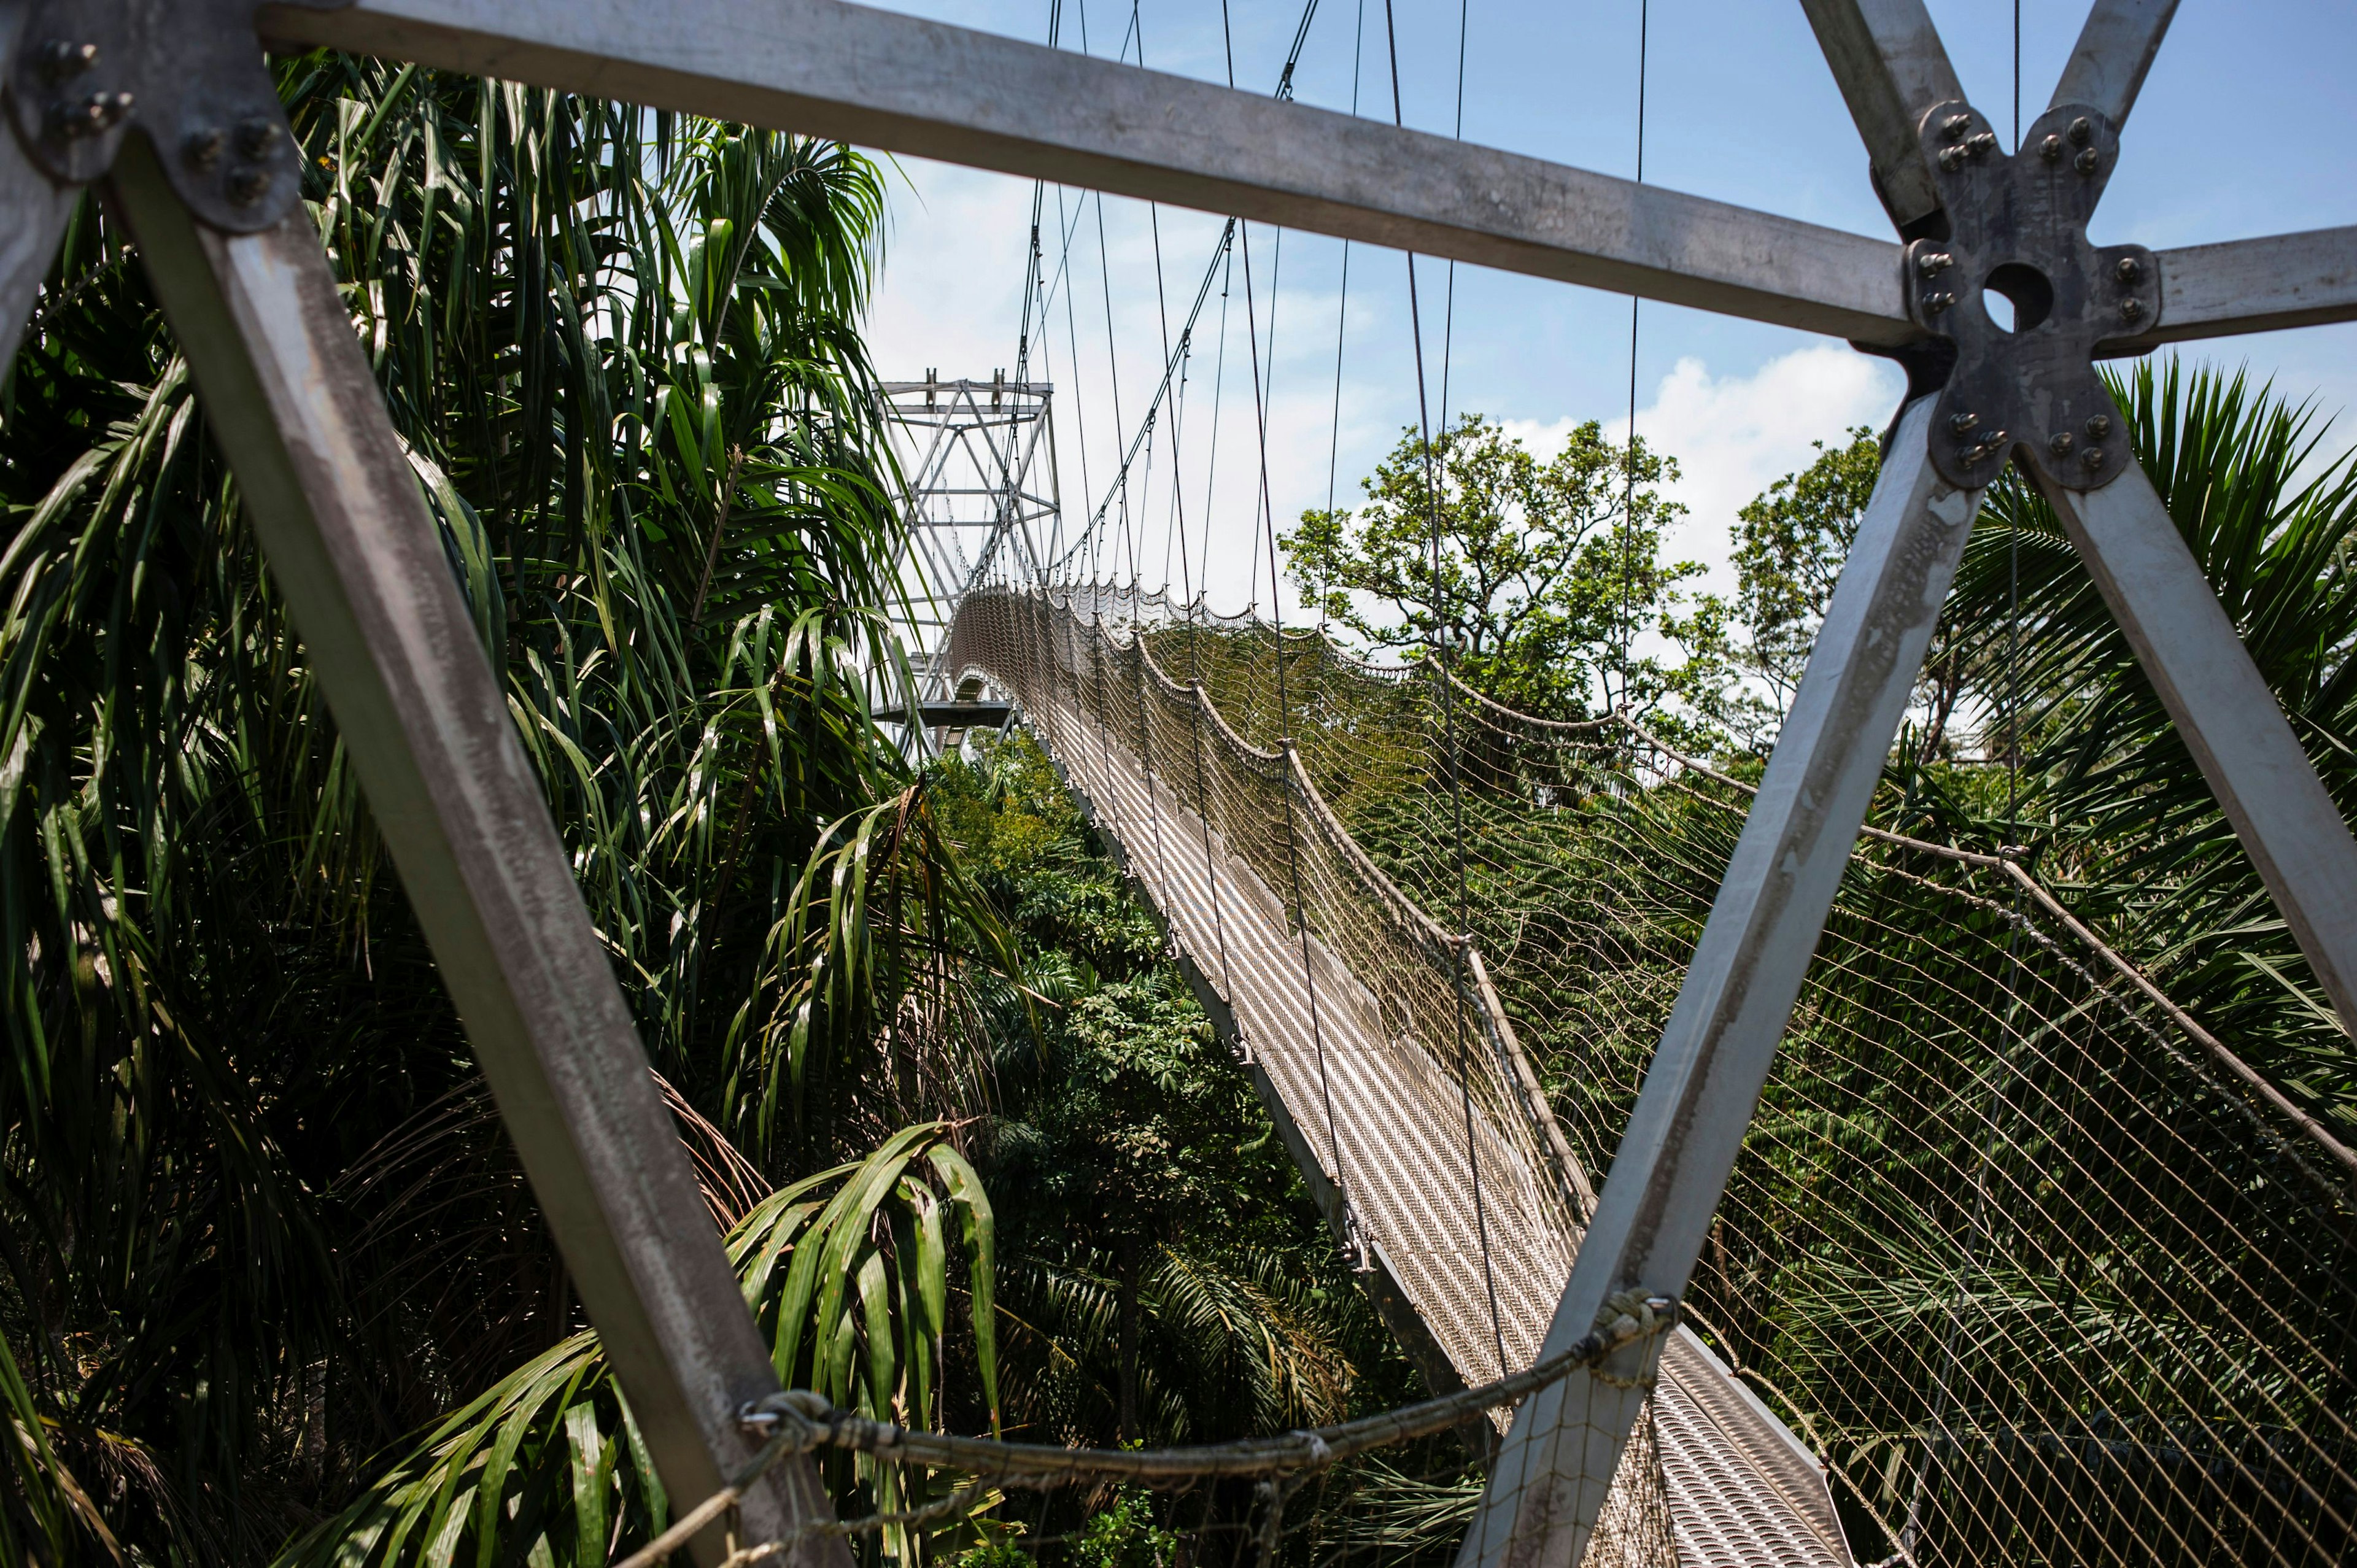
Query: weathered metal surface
point(2252, 285)
point(1704, 1080)
point(1888, 59)
point(188, 73)
point(288, 394)
point(2230, 721)
point(33, 212)
point(2115, 48)
point(2018, 227)
point(940, 92)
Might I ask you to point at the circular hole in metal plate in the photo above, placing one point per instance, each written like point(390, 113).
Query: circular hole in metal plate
point(2018, 297)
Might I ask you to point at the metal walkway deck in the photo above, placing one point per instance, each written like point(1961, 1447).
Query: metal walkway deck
point(1380, 1132)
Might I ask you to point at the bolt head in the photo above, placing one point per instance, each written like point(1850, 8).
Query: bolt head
point(2128, 270)
point(1936, 303)
point(1954, 127)
point(2132, 310)
point(2099, 427)
point(2087, 162)
point(202, 148)
point(94, 115)
point(2059, 443)
point(1983, 144)
point(1963, 424)
point(2092, 458)
point(2051, 149)
point(248, 186)
point(1931, 264)
point(256, 136)
point(2082, 131)
point(62, 58)
point(1952, 158)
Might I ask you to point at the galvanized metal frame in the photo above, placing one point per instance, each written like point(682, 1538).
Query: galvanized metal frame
point(332, 498)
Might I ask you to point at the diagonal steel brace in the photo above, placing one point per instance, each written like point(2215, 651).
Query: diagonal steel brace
point(2015, 227)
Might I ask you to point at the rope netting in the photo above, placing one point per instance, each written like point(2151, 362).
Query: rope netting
point(2035, 1266)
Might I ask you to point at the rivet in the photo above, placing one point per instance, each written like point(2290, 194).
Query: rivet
point(2128, 270)
point(2082, 131)
point(2059, 443)
point(2099, 427)
point(1963, 424)
point(1954, 127)
point(2093, 457)
point(2087, 162)
point(256, 136)
point(61, 59)
point(1931, 264)
point(2131, 310)
point(2051, 149)
point(203, 148)
point(247, 185)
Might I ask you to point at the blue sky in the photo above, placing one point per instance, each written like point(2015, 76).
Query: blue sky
point(2245, 127)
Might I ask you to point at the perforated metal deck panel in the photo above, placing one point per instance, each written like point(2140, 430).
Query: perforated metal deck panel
point(1380, 1129)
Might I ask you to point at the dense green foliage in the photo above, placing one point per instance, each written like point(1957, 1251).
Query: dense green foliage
point(1543, 574)
point(1165, 1276)
point(2110, 800)
point(259, 1219)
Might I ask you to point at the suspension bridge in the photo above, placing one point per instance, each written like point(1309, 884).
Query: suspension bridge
point(1981, 1229)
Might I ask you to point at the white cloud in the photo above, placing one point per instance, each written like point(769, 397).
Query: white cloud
point(1734, 435)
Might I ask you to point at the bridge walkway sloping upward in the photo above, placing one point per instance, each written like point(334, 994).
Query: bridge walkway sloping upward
point(1421, 1141)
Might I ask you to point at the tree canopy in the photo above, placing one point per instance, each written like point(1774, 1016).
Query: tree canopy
point(1548, 571)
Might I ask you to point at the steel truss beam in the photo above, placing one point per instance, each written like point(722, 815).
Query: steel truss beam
point(289, 395)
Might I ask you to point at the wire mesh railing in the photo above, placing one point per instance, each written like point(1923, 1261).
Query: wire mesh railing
point(2044, 1272)
point(2040, 1270)
point(1363, 1014)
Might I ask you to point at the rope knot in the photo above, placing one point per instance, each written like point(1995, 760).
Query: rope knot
point(801, 1416)
point(1632, 1314)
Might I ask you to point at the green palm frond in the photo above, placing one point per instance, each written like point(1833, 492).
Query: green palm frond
point(547, 1465)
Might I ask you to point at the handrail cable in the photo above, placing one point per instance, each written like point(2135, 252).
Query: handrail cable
point(800, 1419)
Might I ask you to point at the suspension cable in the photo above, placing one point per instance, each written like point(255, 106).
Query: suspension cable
point(1342, 307)
point(1442, 646)
point(1629, 460)
point(1284, 725)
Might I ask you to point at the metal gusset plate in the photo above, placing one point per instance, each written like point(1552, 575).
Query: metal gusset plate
point(2017, 229)
point(189, 72)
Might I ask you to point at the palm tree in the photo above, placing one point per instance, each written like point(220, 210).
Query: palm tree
point(2110, 798)
point(258, 1222)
